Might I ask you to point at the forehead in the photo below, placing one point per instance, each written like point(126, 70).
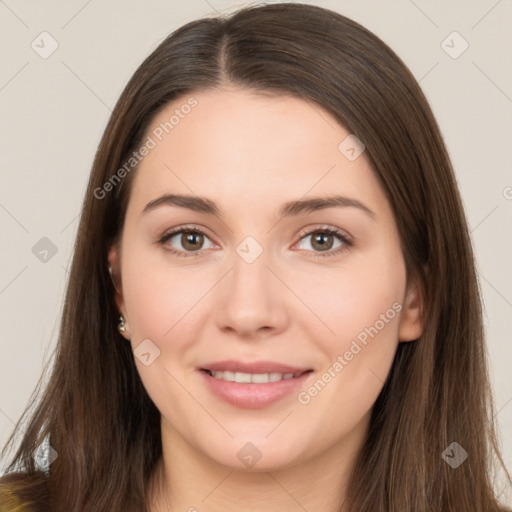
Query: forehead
point(245, 149)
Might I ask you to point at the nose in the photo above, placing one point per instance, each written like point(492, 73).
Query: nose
point(252, 302)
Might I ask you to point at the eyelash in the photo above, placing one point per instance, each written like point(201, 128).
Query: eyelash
point(347, 243)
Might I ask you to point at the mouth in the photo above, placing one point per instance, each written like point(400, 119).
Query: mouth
point(253, 385)
point(253, 378)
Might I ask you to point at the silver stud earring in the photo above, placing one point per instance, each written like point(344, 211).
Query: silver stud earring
point(122, 325)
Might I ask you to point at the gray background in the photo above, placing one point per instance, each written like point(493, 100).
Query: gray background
point(54, 109)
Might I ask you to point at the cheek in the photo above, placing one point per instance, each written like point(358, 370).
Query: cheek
point(359, 307)
point(164, 305)
point(160, 297)
point(350, 298)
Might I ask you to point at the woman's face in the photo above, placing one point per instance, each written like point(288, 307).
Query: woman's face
point(275, 261)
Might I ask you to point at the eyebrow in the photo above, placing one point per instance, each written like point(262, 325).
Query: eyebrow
point(291, 208)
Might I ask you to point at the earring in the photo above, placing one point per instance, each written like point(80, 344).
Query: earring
point(122, 325)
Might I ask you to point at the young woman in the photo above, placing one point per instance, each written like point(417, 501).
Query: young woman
point(273, 302)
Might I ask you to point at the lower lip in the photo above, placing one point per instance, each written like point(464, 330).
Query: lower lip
point(251, 395)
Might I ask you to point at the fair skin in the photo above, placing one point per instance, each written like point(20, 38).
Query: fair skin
point(251, 154)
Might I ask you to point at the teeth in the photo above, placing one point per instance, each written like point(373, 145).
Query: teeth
point(255, 378)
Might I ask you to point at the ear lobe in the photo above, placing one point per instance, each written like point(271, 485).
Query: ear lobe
point(412, 317)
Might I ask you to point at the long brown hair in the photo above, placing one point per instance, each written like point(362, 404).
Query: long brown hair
point(100, 419)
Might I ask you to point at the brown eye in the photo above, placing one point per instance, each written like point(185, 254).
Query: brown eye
point(322, 241)
point(184, 241)
point(191, 240)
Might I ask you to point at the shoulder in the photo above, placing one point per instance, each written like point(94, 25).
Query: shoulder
point(20, 492)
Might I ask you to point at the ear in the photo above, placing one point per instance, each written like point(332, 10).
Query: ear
point(412, 316)
point(114, 261)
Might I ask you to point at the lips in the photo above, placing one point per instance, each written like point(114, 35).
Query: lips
point(253, 385)
point(254, 367)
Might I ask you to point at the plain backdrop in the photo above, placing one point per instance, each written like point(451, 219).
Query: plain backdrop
point(54, 109)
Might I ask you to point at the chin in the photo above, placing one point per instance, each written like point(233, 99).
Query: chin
point(256, 454)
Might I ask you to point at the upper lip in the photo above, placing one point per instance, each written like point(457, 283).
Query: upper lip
point(252, 367)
